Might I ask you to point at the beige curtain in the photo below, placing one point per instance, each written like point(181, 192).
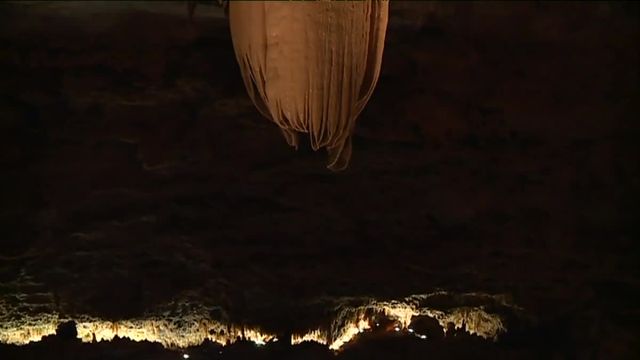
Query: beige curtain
point(311, 66)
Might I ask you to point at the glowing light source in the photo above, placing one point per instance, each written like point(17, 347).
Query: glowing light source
point(348, 332)
point(185, 356)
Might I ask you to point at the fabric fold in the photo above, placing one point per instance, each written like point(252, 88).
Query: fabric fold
point(311, 66)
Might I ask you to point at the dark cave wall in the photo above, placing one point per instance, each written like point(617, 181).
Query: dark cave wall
point(498, 153)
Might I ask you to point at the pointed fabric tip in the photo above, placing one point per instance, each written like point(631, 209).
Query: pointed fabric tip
point(311, 67)
point(339, 155)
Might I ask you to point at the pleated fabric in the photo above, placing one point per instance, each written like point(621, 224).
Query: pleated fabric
point(311, 66)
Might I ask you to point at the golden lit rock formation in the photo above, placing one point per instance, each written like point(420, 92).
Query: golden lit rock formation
point(311, 66)
point(194, 327)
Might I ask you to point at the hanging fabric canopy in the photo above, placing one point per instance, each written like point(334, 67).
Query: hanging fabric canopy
point(311, 66)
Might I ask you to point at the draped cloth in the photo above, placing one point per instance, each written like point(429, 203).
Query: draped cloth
point(311, 66)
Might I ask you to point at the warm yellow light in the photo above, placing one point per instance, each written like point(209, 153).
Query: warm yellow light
point(353, 322)
point(193, 329)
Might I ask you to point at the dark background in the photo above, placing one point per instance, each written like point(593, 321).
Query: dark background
point(498, 154)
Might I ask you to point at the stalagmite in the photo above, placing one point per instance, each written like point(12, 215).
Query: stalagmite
point(311, 66)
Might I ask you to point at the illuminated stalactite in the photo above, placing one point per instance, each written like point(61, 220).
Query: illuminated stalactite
point(312, 66)
point(351, 322)
point(25, 334)
point(169, 335)
point(193, 328)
